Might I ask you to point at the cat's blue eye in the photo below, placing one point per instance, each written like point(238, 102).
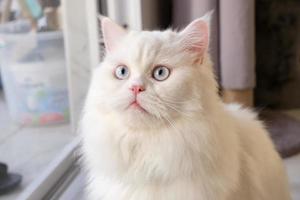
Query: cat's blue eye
point(160, 73)
point(122, 72)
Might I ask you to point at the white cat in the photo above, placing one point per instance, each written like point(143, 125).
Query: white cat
point(154, 127)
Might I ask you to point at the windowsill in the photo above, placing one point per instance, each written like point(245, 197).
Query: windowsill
point(28, 151)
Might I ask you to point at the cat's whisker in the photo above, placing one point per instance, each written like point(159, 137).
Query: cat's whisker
point(154, 104)
point(172, 106)
point(180, 102)
point(178, 111)
point(171, 100)
point(172, 126)
point(161, 115)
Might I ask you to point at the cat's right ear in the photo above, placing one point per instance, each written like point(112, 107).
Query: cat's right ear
point(195, 37)
point(112, 34)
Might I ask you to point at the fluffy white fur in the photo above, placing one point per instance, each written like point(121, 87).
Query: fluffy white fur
point(188, 145)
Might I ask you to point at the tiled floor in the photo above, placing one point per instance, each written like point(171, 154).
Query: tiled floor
point(293, 169)
point(293, 164)
point(28, 151)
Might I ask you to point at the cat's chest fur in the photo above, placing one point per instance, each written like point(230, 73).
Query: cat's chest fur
point(174, 161)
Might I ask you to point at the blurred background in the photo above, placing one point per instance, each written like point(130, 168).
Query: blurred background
point(48, 49)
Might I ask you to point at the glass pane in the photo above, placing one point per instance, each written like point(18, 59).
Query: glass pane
point(34, 101)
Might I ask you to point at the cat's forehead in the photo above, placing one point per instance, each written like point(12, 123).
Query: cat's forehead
point(143, 49)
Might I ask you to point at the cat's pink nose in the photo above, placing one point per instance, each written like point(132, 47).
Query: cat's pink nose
point(137, 89)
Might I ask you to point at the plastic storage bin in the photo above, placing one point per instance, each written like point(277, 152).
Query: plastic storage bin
point(34, 78)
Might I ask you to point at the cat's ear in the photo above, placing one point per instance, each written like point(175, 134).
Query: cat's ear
point(195, 37)
point(112, 34)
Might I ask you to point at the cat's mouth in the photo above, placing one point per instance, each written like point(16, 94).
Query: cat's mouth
point(136, 105)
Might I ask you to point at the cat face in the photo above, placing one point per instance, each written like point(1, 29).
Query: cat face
point(150, 77)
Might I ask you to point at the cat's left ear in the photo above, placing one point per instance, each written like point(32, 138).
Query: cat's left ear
point(113, 34)
point(195, 37)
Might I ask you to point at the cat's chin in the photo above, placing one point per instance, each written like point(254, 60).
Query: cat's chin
point(136, 112)
point(138, 117)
